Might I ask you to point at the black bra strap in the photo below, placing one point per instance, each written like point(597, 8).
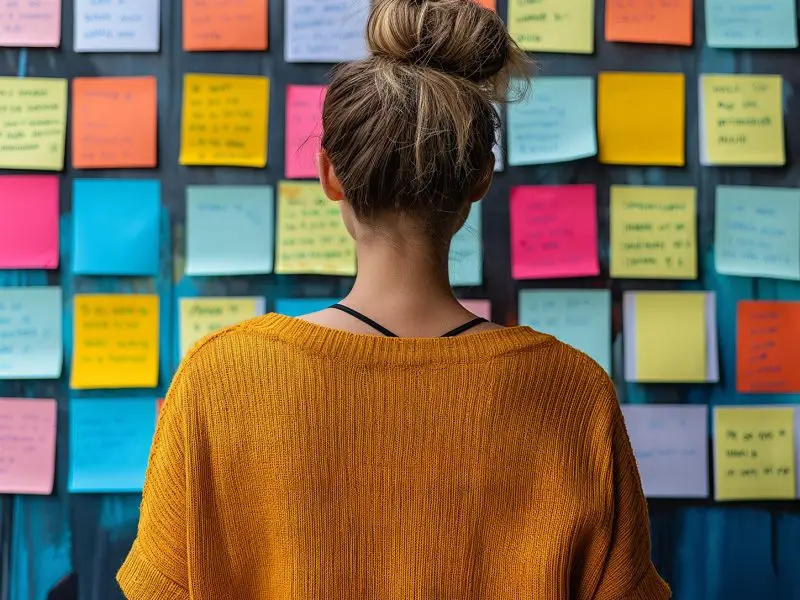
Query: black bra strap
point(364, 319)
point(465, 327)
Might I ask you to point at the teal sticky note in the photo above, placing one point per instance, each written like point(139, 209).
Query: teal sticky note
point(117, 226)
point(555, 122)
point(466, 251)
point(580, 318)
point(109, 443)
point(30, 333)
point(230, 230)
point(297, 307)
point(751, 23)
point(757, 232)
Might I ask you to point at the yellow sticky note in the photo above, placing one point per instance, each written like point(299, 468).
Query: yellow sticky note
point(641, 119)
point(312, 238)
point(116, 342)
point(742, 120)
point(202, 316)
point(653, 232)
point(33, 123)
point(224, 121)
point(552, 25)
point(754, 454)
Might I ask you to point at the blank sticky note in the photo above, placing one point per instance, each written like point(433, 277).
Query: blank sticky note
point(741, 120)
point(115, 341)
point(749, 24)
point(312, 238)
point(30, 23)
point(224, 120)
point(553, 231)
point(757, 232)
point(297, 307)
point(230, 230)
point(117, 226)
point(641, 119)
point(30, 333)
point(579, 318)
point(118, 26)
point(767, 352)
point(479, 308)
point(552, 25)
point(103, 140)
point(670, 443)
point(28, 446)
point(653, 232)
point(648, 22)
point(33, 123)
point(555, 122)
point(466, 251)
point(490, 4)
point(754, 453)
point(212, 25)
point(303, 130)
point(327, 31)
point(109, 443)
point(200, 317)
point(29, 221)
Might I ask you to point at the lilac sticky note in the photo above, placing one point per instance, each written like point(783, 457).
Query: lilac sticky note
point(28, 448)
point(29, 222)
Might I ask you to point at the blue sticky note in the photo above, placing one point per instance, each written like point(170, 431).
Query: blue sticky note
point(466, 251)
point(297, 307)
point(580, 318)
point(757, 232)
point(230, 230)
point(30, 333)
point(751, 23)
point(117, 226)
point(109, 443)
point(555, 122)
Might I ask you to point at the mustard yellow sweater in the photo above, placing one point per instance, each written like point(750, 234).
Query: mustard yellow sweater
point(295, 462)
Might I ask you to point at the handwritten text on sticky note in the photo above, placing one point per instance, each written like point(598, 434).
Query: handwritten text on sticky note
point(751, 23)
point(29, 222)
point(30, 333)
point(767, 353)
point(210, 25)
point(27, 445)
point(552, 25)
point(466, 251)
point(202, 316)
point(117, 26)
point(649, 21)
point(303, 129)
point(325, 30)
point(35, 23)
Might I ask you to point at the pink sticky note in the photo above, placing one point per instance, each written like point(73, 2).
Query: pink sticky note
point(29, 222)
point(479, 308)
point(27, 445)
point(30, 23)
point(303, 129)
point(553, 231)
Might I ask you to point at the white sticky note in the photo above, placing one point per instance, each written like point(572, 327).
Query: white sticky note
point(30, 333)
point(327, 31)
point(117, 26)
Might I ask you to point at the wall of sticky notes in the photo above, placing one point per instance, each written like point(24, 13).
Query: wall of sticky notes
point(157, 183)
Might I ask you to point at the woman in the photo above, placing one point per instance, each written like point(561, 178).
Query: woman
point(354, 453)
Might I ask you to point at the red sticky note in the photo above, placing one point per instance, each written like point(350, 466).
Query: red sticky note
point(479, 308)
point(29, 222)
point(28, 450)
point(649, 21)
point(303, 129)
point(210, 25)
point(767, 353)
point(553, 231)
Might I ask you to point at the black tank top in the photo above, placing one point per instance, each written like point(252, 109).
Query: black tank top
point(381, 329)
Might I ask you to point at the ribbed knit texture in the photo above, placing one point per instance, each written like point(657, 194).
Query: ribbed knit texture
point(295, 462)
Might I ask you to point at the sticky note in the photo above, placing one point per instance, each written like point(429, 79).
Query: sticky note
point(224, 120)
point(117, 227)
point(109, 444)
point(303, 129)
point(670, 443)
point(117, 26)
point(210, 25)
point(497, 149)
point(479, 308)
point(553, 231)
point(327, 31)
point(29, 222)
point(297, 307)
point(33, 123)
point(754, 453)
point(641, 119)
point(757, 232)
point(767, 353)
point(552, 25)
point(466, 251)
point(230, 230)
point(555, 122)
point(741, 120)
point(490, 4)
point(27, 445)
point(30, 23)
point(653, 232)
point(100, 138)
point(200, 317)
point(115, 341)
point(579, 318)
point(30, 333)
point(648, 22)
point(751, 23)
point(312, 238)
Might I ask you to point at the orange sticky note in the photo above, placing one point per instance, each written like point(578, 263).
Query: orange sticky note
point(767, 353)
point(224, 25)
point(303, 129)
point(114, 122)
point(490, 4)
point(28, 448)
point(649, 21)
